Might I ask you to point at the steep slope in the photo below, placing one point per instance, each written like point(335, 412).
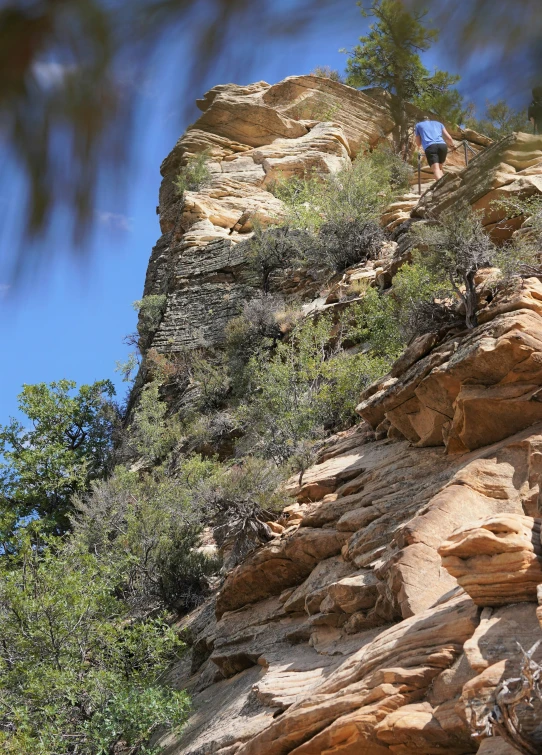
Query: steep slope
point(385, 613)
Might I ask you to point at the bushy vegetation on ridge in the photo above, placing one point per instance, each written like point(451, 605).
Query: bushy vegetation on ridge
point(194, 175)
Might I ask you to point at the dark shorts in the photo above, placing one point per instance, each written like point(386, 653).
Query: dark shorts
point(436, 153)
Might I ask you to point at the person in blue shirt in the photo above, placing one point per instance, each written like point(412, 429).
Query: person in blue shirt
point(435, 140)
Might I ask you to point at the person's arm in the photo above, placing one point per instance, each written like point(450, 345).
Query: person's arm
point(418, 142)
point(448, 139)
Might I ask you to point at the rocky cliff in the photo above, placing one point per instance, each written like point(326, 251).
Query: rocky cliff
point(401, 587)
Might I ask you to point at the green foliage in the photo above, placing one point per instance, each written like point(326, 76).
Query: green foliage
point(377, 324)
point(325, 72)
point(358, 192)
point(151, 309)
point(151, 520)
point(439, 97)
point(500, 120)
point(77, 673)
point(394, 172)
point(195, 174)
point(309, 385)
point(419, 302)
point(457, 247)
point(331, 221)
point(127, 368)
point(521, 256)
point(273, 249)
point(255, 330)
point(62, 445)
point(211, 379)
point(152, 434)
point(389, 57)
point(239, 499)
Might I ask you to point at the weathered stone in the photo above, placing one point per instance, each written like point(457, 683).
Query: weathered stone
point(277, 566)
point(345, 634)
point(308, 596)
point(474, 389)
point(354, 593)
point(512, 166)
point(497, 561)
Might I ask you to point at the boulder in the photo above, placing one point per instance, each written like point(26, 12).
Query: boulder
point(498, 560)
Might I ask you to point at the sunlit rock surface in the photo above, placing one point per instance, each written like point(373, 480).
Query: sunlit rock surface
point(253, 135)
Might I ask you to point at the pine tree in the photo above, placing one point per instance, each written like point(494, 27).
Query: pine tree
point(389, 57)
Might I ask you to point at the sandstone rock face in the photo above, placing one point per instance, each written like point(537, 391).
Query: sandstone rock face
point(475, 387)
point(512, 166)
point(386, 609)
point(253, 135)
point(498, 561)
point(345, 634)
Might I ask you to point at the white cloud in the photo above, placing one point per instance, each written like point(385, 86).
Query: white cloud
point(115, 221)
point(4, 288)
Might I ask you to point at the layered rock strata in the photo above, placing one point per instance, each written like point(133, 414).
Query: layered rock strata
point(346, 633)
point(253, 135)
point(474, 387)
point(511, 167)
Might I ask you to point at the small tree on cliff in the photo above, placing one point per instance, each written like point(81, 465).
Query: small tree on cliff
point(389, 57)
point(457, 247)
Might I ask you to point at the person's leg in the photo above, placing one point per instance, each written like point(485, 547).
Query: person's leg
point(437, 170)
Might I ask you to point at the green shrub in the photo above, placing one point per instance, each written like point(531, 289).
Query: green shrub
point(326, 72)
point(522, 255)
point(238, 500)
point(419, 302)
point(194, 175)
point(359, 191)
point(152, 520)
point(212, 434)
point(342, 243)
point(333, 221)
point(212, 380)
point(255, 329)
point(271, 250)
point(152, 434)
point(424, 299)
point(77, 673)
point(151, 310)
point(396, 171)
point(375, 322)
point(308, 387)
point(457, 247)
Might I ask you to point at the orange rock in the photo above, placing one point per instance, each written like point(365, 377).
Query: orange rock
point(498, 560)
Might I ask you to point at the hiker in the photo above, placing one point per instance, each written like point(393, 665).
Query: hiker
point(433, 137)
point(535, 110)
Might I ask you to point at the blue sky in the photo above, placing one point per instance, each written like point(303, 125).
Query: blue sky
point(70, 321)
